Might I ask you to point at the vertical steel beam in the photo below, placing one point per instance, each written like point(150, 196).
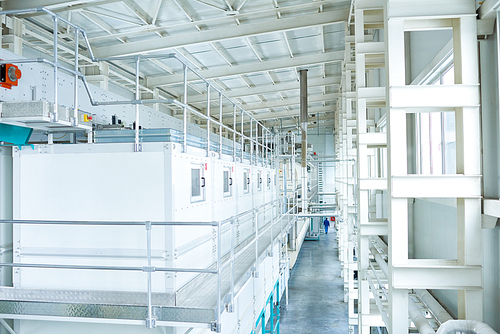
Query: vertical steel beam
point(137, 146)
point(303, 128)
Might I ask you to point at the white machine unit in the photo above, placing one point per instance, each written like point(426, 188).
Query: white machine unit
point(5, 213)
point(111, 182)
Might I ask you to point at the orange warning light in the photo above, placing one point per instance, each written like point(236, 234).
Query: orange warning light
point(9, 75)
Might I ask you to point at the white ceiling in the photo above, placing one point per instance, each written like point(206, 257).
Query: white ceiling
point(252, 49)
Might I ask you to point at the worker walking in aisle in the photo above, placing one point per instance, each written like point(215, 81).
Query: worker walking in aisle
point(327, 225)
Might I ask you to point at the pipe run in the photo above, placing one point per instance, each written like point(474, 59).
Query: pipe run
point(439, 312)
point(465, 326)
point(418, 318)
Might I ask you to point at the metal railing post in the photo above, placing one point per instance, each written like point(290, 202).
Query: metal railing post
point(184, 143)
point(219, 274)
point(208, 120)
point(137, 146)
point(256, 141)
point(266, 148)
point(256, 221)
point(231, 308)
point(56, 111)
point(75, 111)
point(220, 125)
point(150, 321)
point(234, 132)
point(242, 137)
point(251, 141)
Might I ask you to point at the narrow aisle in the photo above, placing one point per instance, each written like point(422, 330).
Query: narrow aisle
point(316, 291)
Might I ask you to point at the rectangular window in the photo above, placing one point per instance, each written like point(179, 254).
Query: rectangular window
point(228, 182)
point(197, 184)
point(246, 181)
point(436, 142)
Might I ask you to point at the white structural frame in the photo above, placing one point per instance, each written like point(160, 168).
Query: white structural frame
point(388, 277)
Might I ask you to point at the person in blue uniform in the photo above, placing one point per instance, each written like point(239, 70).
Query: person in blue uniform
point(327, 225)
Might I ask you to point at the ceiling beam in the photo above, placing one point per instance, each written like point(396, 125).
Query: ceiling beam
point(69, 7)
point(207, 36)
point(27, 4)
point(217, 21)
point(311, 120)
point(269, 89)
point(283, 103)
point(250, 68)
point(292, 113)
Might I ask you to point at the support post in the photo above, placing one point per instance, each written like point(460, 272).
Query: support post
point(150, 321)
point(303, 128)
point(137, 145)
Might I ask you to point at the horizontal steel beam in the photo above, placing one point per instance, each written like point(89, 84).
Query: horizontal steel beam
point(28, 4)
point(270, 65)
point(436, 186)
point(269, 89)
point(434, 96)
point(286, 102)
point(216, 35)
point(437, 276)
point(293, 112)
point(377, 228)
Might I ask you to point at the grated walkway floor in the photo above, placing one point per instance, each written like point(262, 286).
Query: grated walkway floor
point(316, 291)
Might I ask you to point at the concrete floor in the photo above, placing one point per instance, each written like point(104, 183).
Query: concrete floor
point(316, 291)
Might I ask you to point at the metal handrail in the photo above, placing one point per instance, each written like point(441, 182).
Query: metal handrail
point(150, 321)
point(137, 101)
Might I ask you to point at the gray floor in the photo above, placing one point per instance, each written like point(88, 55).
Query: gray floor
point(316, 291)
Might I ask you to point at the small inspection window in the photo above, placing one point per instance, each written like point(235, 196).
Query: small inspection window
point(197, 184)
point(259, 181)
point(228, 182)
point(246, 181)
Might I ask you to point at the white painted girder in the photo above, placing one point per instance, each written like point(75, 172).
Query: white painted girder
point(437, 276)
point(375, 228)
point(373, 139)
point(267, 89)
point(27, 4)
point(434, 96)
point(269, 65)
point(436, 186)
point(491, 207)
point(215, 35)
point(292, 113)
point(217, 21)
point(286, 102)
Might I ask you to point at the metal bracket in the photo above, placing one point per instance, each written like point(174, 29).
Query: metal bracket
point(151, 323)
point(229, 308)
point(215, 327)
point(137, 147)
point(148, 225)
point(151, 269)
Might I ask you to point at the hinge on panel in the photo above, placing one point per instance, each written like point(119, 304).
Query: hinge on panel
point(229, 308)
point(215, 327)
